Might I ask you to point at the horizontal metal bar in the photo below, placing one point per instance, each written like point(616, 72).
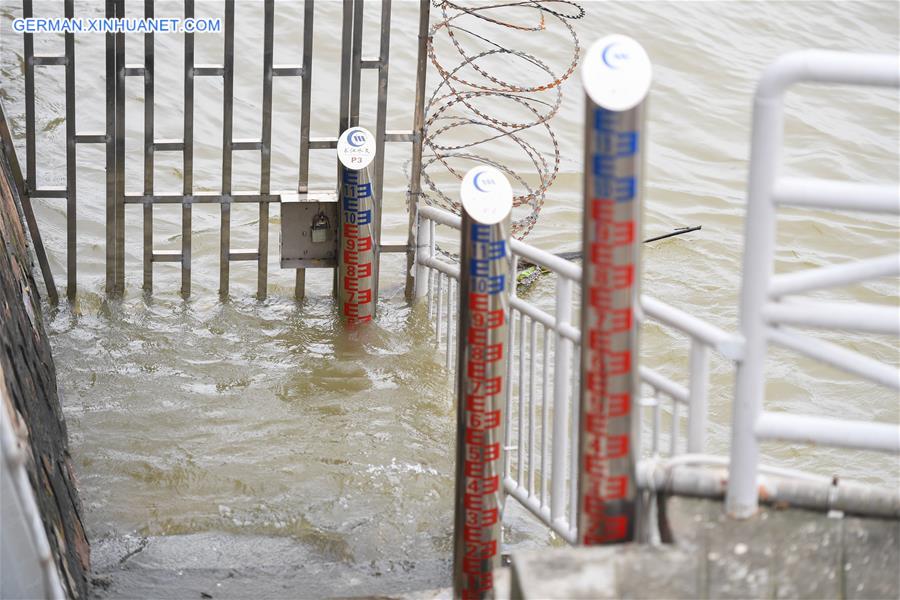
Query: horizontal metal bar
point(168, 145)
point(386, 248)
point(558, 265)
point(50, 192)
point(530, 502)
point(834, 275)
point(676, 391)
point(441, 217)
point(90, 138)
point(535, 313)
point(208, 71)
point(49, 61)
point(287, 71)
point(439, 265)
point(873, 318)
point(841, 433)
point(840, 195)
point(567, 330)
point(727, 344)
point(371, 63)
point(134, 70)
point(202, 198)
point(322, 143)
point(166, 256)
point(837, 356)
point(827, 66)
point(238, 255)
point(399, 136)
point(246, 145)
point(707, 477)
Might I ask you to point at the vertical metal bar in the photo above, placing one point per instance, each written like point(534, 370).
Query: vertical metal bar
point(545, 421)
point(742, 497)
point(346, 57)
point(148, 151)
point(30, 150)
point(423, 250)
point(574, 456)
point(532, 334)
point(656, 423)
point(510, 336)
point(520, 450)
point(449, 322)
point(415, 182)
point(346, 85)
point(305, 99)
point(227, 122)
point(561, 364)
point(356, 62)
point(437, 310)
point(697, 402)
point(673, 439)
point(381, 112)
point(610, 384)
point(485, 280)
point(120, 155)
point(429, 295)
point(265, 164)
point(71, 195)
point(187, 155)
point(306, 96)
point(110, 154)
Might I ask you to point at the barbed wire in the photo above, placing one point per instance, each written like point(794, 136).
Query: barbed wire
point(457, 107)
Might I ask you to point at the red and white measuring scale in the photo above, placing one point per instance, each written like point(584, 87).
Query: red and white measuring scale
point(357, 251)
point(616, 75)
point(484, 287)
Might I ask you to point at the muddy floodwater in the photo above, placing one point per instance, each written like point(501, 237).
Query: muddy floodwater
point(267, 419)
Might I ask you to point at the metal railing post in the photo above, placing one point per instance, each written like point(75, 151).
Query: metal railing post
point(759, 252)
point(697, 404)
point(483, 355)
point(616, 75)
point(561, 366)
point(111, 173)
point(357, 246)
point(423, 249)
point(415, 177)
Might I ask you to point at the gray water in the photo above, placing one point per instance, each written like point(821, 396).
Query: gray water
point(268, 418)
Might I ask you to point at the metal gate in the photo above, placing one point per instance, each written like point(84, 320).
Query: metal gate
point(113, 138)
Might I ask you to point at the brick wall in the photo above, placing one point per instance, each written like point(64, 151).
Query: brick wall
point(28, 373)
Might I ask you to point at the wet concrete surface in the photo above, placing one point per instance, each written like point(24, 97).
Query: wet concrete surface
point(779, 553)
point(221, 565)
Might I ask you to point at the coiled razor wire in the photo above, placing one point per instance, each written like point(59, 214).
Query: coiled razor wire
point(457, 105)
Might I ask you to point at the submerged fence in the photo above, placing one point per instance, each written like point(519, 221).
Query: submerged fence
point(112, 139)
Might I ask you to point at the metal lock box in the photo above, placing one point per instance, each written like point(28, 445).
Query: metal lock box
point(309, 230)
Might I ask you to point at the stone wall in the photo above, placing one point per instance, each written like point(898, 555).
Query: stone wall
point(28, 375)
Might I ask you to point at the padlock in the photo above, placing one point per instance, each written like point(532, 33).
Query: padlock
point(320, 228)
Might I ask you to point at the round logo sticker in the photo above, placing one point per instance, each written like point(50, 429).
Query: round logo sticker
point(616, 73)
point(356, 148)
point(486, 195)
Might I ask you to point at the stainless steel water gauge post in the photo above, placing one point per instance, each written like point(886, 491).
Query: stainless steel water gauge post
point(484, 287)
point(357, 246)
point(616, 74)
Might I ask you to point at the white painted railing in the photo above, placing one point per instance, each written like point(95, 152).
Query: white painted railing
point(25, 545)
point(769, 313)
point(542, 400)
